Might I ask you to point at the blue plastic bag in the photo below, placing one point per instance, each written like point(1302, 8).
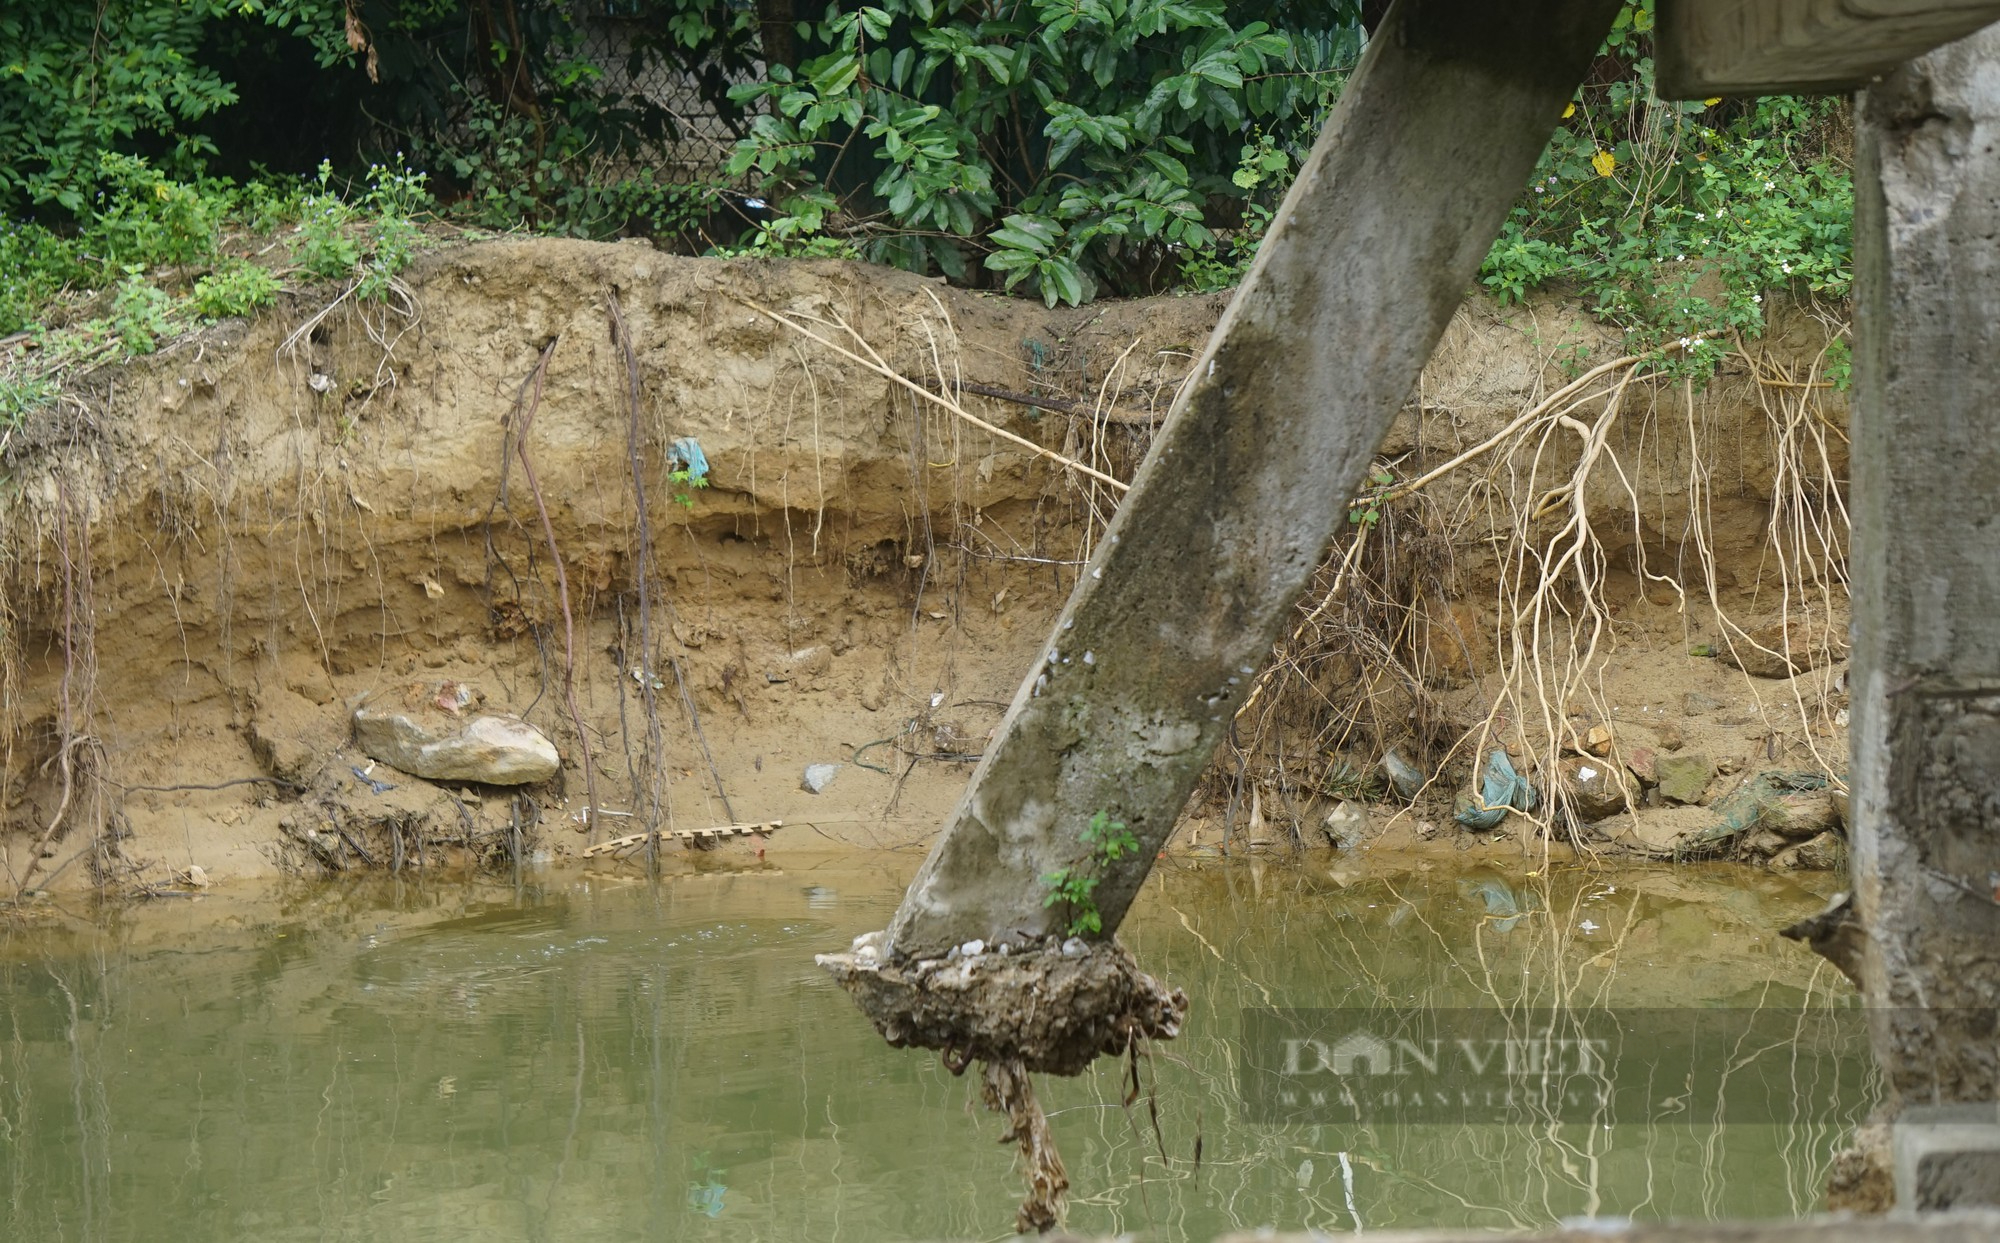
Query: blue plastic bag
point(685, 454)
point(1503, 790)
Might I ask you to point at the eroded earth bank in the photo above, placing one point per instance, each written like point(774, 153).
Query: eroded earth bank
point(793, 589)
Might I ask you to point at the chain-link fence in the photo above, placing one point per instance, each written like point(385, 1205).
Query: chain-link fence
point(622, 38)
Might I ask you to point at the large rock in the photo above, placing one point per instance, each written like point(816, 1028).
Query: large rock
point(1789, 646)
point(1800, 814)
point(1684, 778)
point(495, 750)
point(1595, 790)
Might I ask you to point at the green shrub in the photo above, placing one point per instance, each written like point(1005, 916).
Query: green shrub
point(236, 289)
point(1059, 145)
point(140, 216)
point(139, 314)
point(1675, 220)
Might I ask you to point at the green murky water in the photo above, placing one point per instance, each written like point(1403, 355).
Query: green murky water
point(601, 1058)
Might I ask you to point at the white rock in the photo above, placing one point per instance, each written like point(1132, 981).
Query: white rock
point(819, 776)
point(1075, 948)
point(972, 949)
point(494, 750)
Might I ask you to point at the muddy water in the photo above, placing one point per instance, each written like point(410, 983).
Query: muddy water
point(592, 1057)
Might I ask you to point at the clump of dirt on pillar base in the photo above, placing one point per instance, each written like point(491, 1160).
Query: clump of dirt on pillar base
point(1048, 1005)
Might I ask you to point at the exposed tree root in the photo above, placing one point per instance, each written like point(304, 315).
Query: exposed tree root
point(1006, 1089)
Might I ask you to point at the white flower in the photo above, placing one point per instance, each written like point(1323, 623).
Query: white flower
point(1701, 215)
point(1786, 268)
point(1756, 297)
point(1680, 258)
point(1770, 185)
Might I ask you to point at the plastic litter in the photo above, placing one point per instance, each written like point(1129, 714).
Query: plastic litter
point(1502, 791)
point(685, 454)
point(1759, 800)
point(1504, 907)
point(1405, 776)
point(379, 787)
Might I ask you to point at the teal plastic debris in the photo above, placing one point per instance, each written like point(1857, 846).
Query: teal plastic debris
point(685, 454)
point(1503, 906)
point(1503, 790)
point(1759, 799)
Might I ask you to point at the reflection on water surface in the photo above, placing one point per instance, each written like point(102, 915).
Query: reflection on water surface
point(603, 1058)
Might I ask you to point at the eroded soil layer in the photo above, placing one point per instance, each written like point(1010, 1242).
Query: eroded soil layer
point(217, 555)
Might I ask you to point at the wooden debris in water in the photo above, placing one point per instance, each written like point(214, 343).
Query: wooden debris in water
point(619, 846)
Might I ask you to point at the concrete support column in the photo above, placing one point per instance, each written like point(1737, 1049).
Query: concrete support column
point(1373, 249)
point(1926, 506)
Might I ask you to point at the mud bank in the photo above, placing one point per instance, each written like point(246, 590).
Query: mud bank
point(215, 556)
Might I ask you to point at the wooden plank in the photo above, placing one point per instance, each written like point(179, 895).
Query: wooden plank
point(632, 841)
point(1706, 48)
point(1371, 252)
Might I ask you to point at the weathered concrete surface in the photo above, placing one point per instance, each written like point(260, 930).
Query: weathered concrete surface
point(1926, 504)
point(1371, 252)
point(1791, 47)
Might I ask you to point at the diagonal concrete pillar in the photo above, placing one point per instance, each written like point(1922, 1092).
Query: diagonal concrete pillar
point(1373, 249)
point(1926, 673)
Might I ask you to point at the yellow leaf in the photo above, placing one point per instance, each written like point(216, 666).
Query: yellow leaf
point(1569, 111)
point(1604, 162)
point(1711, 101)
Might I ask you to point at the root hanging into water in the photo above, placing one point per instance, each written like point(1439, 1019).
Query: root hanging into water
point(1006, 1089)
point(1015, 1009)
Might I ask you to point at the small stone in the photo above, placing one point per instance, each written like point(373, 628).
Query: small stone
point(1825, 853)
point(1643, 763)
point(197, 876)
point(1597, 740)
point(972, 949)
point(492, 750)
point(819, 776)
point(1348, 825)
point(871, 698)
point(1075, 947)
point(1695, 703)
point(1671, 737)
point(1763, 843)
point(1684, 778)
